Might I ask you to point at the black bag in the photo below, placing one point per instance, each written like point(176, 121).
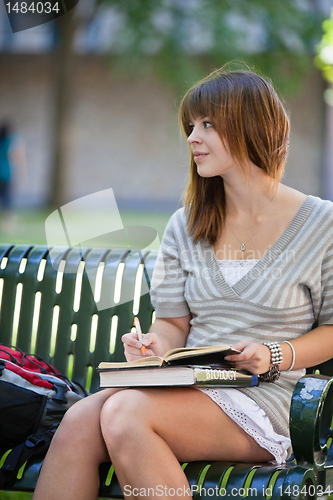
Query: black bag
point(34, 396)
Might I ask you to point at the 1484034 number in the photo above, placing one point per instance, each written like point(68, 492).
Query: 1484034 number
point(38, 7)
point(306, 491)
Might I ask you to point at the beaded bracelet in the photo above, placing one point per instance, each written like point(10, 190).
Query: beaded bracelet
point(276, 359)
point(276, 352)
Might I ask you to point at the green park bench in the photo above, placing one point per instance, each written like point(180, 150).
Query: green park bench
point(53, 310)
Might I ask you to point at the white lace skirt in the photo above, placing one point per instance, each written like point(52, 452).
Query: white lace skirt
point(250, 417)
point(239, 407)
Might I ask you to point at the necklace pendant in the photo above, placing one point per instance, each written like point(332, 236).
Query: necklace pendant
point(243, 247)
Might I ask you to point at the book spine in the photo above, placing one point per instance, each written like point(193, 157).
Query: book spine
point(221, 377)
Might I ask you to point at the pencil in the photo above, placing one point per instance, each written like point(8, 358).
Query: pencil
point(139, 332)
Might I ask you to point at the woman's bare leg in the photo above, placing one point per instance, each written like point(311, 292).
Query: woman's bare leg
point(71, 467)
point(148, 431)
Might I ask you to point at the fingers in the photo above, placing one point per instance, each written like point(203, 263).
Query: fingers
point(132, 345)
point(241, 345)
point(247, 350)
point(254, 357)
point(149, 339)
point(131, 340)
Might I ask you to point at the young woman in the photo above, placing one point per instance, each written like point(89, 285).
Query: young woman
point(247, 260)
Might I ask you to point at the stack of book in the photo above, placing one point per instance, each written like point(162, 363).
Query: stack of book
point(192, 366)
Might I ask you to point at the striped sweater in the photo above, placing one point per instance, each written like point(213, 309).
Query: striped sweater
point(287, 293)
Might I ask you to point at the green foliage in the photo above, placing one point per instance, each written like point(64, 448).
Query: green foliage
point(181, 41)
point(324, 58)
point(14, 495)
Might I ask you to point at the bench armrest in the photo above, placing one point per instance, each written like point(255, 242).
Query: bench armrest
point(311, 421)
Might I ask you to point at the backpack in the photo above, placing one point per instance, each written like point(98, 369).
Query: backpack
point(34, 396)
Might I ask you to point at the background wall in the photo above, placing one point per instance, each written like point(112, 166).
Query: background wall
point(125, 133)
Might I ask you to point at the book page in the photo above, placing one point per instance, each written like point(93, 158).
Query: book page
point(148, 361)
point(185, 352)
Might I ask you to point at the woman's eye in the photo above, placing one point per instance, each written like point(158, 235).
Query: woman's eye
point(190, 127)
point(207, 124)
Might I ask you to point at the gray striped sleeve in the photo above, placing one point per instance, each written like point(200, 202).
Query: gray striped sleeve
point(168, 281)
point(325, 316)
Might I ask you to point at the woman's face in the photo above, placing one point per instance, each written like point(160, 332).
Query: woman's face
point(210, 155)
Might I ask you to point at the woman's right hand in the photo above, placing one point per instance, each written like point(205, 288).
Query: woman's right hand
point(132, 346)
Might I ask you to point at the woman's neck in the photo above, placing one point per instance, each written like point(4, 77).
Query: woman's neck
point(250, 195)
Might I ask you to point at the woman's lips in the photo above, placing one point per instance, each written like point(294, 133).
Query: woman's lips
point(199, 156)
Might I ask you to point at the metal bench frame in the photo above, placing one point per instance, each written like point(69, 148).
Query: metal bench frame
point(53, 310)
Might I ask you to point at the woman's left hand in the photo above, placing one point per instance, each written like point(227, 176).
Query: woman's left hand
point(256, 358)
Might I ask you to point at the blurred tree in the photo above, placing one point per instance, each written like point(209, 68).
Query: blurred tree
point(181, 41)
point(63, 102)
point(64, 91)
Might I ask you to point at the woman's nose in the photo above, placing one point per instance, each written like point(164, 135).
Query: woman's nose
point(194, 137)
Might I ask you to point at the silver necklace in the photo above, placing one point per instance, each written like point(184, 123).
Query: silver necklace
point(244, 243)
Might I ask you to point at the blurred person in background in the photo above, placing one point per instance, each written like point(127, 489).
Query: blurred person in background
point(12, 154)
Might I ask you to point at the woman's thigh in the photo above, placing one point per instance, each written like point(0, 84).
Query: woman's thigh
point(193, 426)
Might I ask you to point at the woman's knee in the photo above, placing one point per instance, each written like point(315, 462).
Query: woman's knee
point(121, 416)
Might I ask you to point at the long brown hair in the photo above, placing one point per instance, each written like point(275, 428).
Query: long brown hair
point(252, 123)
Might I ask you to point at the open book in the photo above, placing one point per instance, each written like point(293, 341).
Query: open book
point(186, 366)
